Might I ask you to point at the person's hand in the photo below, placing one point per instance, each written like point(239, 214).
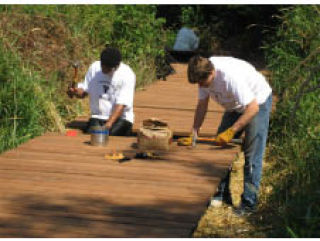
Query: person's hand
point(108, 125)
point(71, 92)
point(225, 137)
point(194, 137)
point(188, 141)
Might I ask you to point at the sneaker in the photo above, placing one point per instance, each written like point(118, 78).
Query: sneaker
point(217, 200)
point(244, 210)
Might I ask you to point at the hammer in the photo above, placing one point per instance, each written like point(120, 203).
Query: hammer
point(191, 141)
point(75, 66)
point(73, 82)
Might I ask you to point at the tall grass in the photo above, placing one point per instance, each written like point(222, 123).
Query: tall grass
point(33, 97)
point(294, 58)
point(25, 108)
point(134, 29)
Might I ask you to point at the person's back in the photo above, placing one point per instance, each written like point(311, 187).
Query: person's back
point(186, 40)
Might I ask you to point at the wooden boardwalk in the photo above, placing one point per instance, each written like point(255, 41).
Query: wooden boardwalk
point(174, 101)
point(59, 186)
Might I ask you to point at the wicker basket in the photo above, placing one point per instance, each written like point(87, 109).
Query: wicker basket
point(154, 134)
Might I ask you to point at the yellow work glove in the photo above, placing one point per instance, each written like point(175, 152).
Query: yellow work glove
point(187, 141)
point(225, 137)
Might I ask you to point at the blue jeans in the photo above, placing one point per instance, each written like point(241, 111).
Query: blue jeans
point(256, 133)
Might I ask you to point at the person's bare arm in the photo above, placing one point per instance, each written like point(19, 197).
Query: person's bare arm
point(115, 115)
point(200, 114)
point(251, 110)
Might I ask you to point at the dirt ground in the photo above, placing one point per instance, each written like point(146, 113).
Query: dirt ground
point(220, 222)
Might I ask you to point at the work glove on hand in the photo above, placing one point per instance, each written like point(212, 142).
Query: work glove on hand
point(225, 137)
point(187, 141)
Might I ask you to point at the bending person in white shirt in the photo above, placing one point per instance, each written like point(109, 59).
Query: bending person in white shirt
point(110, 85)
point(246, 97)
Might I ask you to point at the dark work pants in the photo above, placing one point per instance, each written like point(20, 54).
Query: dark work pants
point(121, 127)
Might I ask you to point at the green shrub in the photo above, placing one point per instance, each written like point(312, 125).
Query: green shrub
point(33, 98)
point(294, 58)
point(24, 104)
point(139, 35)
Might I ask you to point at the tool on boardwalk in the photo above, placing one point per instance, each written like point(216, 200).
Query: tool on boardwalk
point(117, 156)
point(71, 133)
point(147, 155)
point(120, 157)
point(188, 141)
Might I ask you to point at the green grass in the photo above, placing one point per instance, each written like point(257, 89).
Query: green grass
point(294, 59)
point(25, 106)
point(34, 70)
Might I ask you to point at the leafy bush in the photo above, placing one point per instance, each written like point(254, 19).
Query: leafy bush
point(294, 57)
point(46, 39)
point(139, 35)
point(25, 107)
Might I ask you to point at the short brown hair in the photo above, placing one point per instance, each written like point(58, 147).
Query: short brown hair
point(199, 68)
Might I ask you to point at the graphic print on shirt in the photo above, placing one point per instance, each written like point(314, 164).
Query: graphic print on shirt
point(105, 88)
point(105, 105)
point(108, 97)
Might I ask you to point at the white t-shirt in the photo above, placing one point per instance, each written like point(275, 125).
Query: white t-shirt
point(106, 91)
point(186, 40)
point(236, 84)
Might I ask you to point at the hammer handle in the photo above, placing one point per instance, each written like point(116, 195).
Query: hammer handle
point(235, 141)
point(206, 139)
point(75, 74)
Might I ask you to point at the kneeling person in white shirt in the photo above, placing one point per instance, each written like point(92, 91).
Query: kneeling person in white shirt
point(110, 85)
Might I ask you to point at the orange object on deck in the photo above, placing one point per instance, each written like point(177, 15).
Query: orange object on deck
point(71, 133)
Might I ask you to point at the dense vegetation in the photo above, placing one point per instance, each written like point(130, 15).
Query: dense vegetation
point(39, 44)
point(25, 109)
point(236, 30)
point(293, 56)
point(46, 39)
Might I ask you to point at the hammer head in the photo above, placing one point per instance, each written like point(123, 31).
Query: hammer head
point(76, 64)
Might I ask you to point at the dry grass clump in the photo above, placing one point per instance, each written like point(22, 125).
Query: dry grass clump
point(221, 222)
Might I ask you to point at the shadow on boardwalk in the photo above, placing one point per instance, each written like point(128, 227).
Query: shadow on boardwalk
point(35, 216)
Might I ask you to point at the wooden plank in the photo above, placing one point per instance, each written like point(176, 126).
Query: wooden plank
point(36, 225)
point(172, 94)
point(59, 186)
point(174, 101)
point(149, 191)
point(179, 121)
